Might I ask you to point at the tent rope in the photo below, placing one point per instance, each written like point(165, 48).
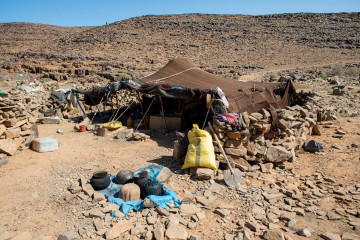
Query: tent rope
point(160, 79)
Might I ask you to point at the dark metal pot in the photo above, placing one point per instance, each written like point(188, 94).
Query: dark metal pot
point(141, 178)
point(100, 180)
point(124, 176)
point(152, 188)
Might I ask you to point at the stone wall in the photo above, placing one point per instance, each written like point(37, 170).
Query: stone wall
point(258, 142)
point(17, 123)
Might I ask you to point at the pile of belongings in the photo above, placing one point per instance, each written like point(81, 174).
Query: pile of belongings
point(233, 119)
point(113, 193)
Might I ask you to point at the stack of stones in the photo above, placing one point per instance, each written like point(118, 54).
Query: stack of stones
point(17, 123)
point(258, 142)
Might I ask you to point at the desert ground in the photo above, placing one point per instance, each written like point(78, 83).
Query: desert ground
point(316, 195)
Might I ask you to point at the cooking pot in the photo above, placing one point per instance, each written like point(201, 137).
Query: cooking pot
point(100, 180)
point(152, 188)
point(141, 178)
point(123, 177)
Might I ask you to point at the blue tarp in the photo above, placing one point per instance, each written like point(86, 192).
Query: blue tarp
point(112, 193)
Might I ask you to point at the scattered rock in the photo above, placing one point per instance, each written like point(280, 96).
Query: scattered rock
point(158, 233)
point(8, 146)
point(229, 236)
point(195, 237)
point(164, 175)
point(277, 154)
point(330, 236)
point(97, 197)
point(111, 208)
point(126, 133)
point(304, 232)
point(189, 209)
point(274, 235)
point(176, 233)
point(98, 224)
point(68, 236)
point(118, 229)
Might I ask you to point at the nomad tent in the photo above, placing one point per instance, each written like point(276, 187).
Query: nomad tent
point(187, 89)
point(181, 79)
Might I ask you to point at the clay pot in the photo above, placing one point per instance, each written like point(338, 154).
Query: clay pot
point(130, 192)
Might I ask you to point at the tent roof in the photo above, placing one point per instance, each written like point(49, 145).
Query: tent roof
point(242, 96)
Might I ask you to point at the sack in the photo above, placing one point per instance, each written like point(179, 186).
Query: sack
point(112, 125)
point(313, 146)
point(180, 146)
point(200, 151)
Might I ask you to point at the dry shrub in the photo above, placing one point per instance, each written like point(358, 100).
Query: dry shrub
point(341, 70)
point(353, 72)
point(336, 70)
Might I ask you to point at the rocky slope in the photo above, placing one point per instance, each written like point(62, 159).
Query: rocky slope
point(230, 45)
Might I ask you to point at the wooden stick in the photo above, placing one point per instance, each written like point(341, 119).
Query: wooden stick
point(221, 149)
point(144, 117)
point(142, 109)
point(163, 113)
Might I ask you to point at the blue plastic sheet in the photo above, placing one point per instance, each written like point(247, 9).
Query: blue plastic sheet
point(112, 193)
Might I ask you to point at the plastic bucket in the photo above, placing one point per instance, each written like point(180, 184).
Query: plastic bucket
point(82, 128)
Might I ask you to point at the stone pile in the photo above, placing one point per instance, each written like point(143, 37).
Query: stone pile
point(259, 142)
point(18, 115)
point(274, 210)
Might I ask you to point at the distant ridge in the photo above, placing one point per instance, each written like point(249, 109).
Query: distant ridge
point(229, 44)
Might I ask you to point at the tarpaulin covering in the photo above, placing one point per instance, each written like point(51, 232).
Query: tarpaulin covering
point(182, 79)
point(98, 94)
point(58, 97)
point(112, 193)
point(313, 146)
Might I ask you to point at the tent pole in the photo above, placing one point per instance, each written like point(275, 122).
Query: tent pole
point(144, 117)
point(207, 114)
point(162, 109)
point(112, 105)
point(142, 109)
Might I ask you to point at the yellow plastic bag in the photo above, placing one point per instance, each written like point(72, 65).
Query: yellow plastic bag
point(112, 125)
point(200, 151)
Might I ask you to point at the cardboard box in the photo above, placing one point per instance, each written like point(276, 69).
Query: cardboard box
point(172, 123)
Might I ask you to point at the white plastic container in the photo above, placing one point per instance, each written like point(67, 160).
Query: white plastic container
point(45, 144)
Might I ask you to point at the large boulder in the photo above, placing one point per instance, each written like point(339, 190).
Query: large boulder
point(277, 154)
point(8, 146)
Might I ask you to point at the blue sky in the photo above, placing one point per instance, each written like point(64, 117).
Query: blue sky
point(96, 13)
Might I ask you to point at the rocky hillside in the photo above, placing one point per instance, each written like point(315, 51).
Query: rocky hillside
point(230, 45)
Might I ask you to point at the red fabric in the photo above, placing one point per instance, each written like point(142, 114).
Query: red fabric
point(231, 118)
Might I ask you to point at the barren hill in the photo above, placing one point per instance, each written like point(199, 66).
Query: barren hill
point(231, 45)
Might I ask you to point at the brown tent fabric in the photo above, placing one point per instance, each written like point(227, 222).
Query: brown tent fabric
point(195, 82)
